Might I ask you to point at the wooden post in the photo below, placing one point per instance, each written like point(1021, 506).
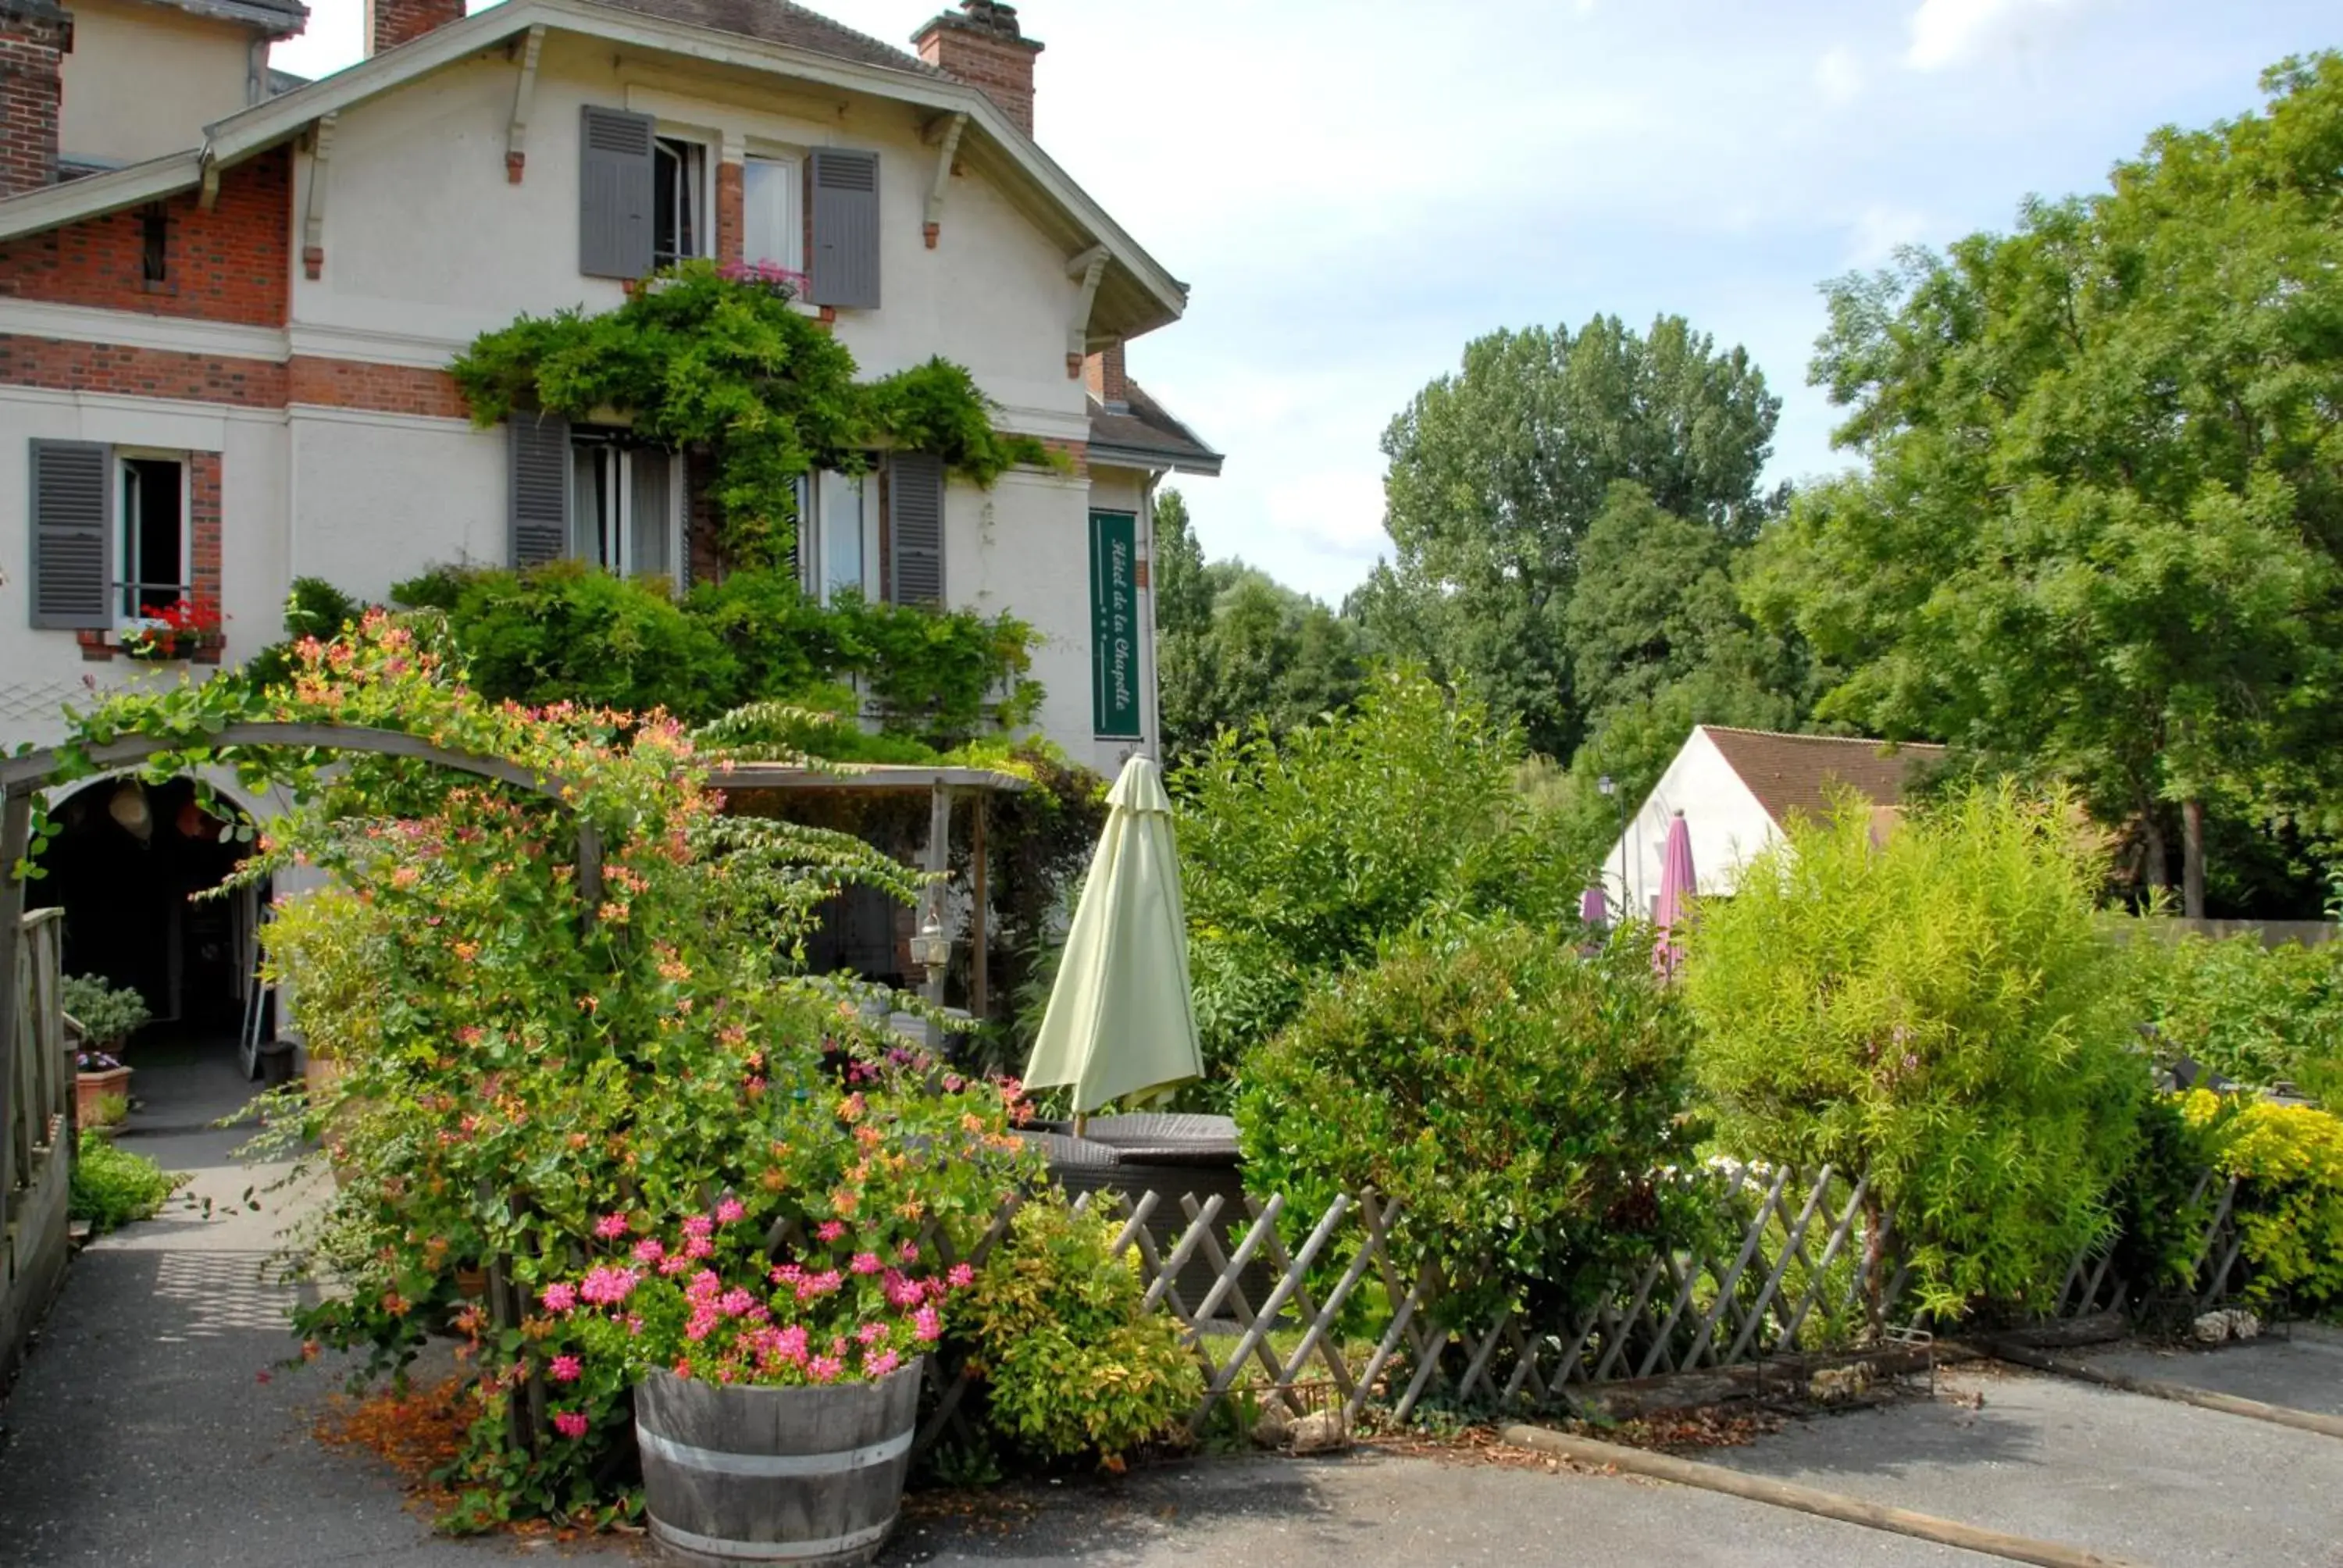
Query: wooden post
point(15, 838)
point(980, 933)
point(936, 862)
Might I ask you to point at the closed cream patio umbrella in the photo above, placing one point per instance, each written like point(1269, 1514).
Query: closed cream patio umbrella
point(1121, 1021)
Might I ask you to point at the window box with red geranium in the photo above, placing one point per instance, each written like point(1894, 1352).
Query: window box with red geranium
point(188, 628)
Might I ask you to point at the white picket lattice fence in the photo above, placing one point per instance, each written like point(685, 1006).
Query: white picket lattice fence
point(1786, 1278)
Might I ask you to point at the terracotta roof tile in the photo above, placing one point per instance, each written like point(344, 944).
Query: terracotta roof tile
point(1793, 774)
point(1145, 427)
point(780, 22)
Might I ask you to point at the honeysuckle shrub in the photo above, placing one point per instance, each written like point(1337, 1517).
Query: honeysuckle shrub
point(1520, 1098)
point(1944, 1015)
point(509, 1062)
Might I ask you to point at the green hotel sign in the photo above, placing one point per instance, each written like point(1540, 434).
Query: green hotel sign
point(1114, 625)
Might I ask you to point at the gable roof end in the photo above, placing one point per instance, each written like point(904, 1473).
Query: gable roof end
point(1792, 775)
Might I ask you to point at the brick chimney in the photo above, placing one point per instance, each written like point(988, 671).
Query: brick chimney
point(980, 45)
point(1108, 382)
point(390, 22)
point(35, 35)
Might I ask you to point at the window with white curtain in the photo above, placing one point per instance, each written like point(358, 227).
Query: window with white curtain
point(626, 508)
point(772, 227)
point(838, 535)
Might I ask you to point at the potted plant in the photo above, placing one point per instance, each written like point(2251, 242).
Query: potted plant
point(105, 1016)
point(187, 627)
point(774, 1403)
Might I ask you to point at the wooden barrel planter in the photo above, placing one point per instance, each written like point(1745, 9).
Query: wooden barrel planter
point(810, 1476)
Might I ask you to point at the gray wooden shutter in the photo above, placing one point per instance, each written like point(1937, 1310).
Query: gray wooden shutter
point(614, 193)
point(539, 443)
point(915, 529)
point(843, 268)
point(73, 533)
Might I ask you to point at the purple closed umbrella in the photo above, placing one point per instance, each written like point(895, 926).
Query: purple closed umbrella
point(1593, 909)
point(1676, 893)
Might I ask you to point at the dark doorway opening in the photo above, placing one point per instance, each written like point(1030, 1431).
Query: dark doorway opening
point(124, 864)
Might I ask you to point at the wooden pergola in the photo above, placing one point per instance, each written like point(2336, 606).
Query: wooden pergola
point(940, 784)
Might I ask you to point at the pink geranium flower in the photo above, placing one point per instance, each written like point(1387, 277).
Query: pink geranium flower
point(962, 1276)
point(928, 1324)
point(570, 1424)
point(698, 1226)
point(606, 1286)
point(866, 1263)
point(611, 1227)
point(565, 1369)
point(559, 1297)
point(830, 1229)
point(729, 1209)
point(649, 1249)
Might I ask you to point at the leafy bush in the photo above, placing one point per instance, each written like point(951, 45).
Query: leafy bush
point(568, 633)
point(1944, 1015)
point(109, 1013)
point(2290, 1211)
point(2160, 1213)
point(314, 608)
point(2261, 1016)
point(1517, 1098)
point(1301, 853)
point(111, 1188)
point(1071, 1363)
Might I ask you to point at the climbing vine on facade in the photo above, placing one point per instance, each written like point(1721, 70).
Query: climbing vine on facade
point(724, 360)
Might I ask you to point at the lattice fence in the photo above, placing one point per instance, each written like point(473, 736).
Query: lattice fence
point(1347, 1319)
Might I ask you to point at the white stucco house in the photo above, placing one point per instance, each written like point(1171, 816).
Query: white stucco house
point(1737, 790)
point(228, 301)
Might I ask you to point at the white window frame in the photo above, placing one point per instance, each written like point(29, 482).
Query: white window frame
point(134, 571)
point(622, 455)
point(789, 172)
point(695, 185)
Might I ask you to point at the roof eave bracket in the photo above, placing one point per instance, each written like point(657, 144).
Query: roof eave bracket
point(526, 49)
point(1090, 268)
point(947, 151)
point(313, 210)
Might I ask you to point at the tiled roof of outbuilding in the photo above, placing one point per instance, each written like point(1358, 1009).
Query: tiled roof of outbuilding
point(1144, 427)
point(1793, 774)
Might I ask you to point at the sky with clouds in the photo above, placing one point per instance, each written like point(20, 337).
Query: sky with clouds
point(1354, 189)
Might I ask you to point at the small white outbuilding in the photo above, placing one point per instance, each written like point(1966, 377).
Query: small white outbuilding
point(1737, 788)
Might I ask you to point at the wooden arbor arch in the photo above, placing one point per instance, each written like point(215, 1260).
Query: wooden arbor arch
point(22, 778)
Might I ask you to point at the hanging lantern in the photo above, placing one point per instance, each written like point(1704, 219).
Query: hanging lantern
point(129, 811)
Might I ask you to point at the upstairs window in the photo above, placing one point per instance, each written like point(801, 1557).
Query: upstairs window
point(680, 205)
point(153, 552)
point(773, 226)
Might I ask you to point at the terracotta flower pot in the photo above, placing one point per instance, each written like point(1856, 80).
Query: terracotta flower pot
point(92, 1088)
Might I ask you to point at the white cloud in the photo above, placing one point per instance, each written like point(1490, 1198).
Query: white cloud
point(1838, 76)
point(1946, 32)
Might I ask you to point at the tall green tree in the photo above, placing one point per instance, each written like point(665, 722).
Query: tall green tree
point(2099, 531)
point(1499, 470)
point(1235, 648)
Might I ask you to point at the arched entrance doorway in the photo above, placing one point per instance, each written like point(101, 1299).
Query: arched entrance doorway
point(126, 862)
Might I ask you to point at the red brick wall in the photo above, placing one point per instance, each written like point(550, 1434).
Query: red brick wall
point(1079, 451)
point(1104, 374)
point(383, 388)
point(226, 264)
point(204, 524)
point(140, 372)
point(390, 22)
point(731, 211)
point(35, 36)
point(982, 46)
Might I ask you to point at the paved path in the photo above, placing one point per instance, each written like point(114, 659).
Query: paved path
point(151, 1429)
point(2119, 1474)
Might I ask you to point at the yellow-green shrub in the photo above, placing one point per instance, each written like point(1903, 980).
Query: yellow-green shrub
point(2290, 1208)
